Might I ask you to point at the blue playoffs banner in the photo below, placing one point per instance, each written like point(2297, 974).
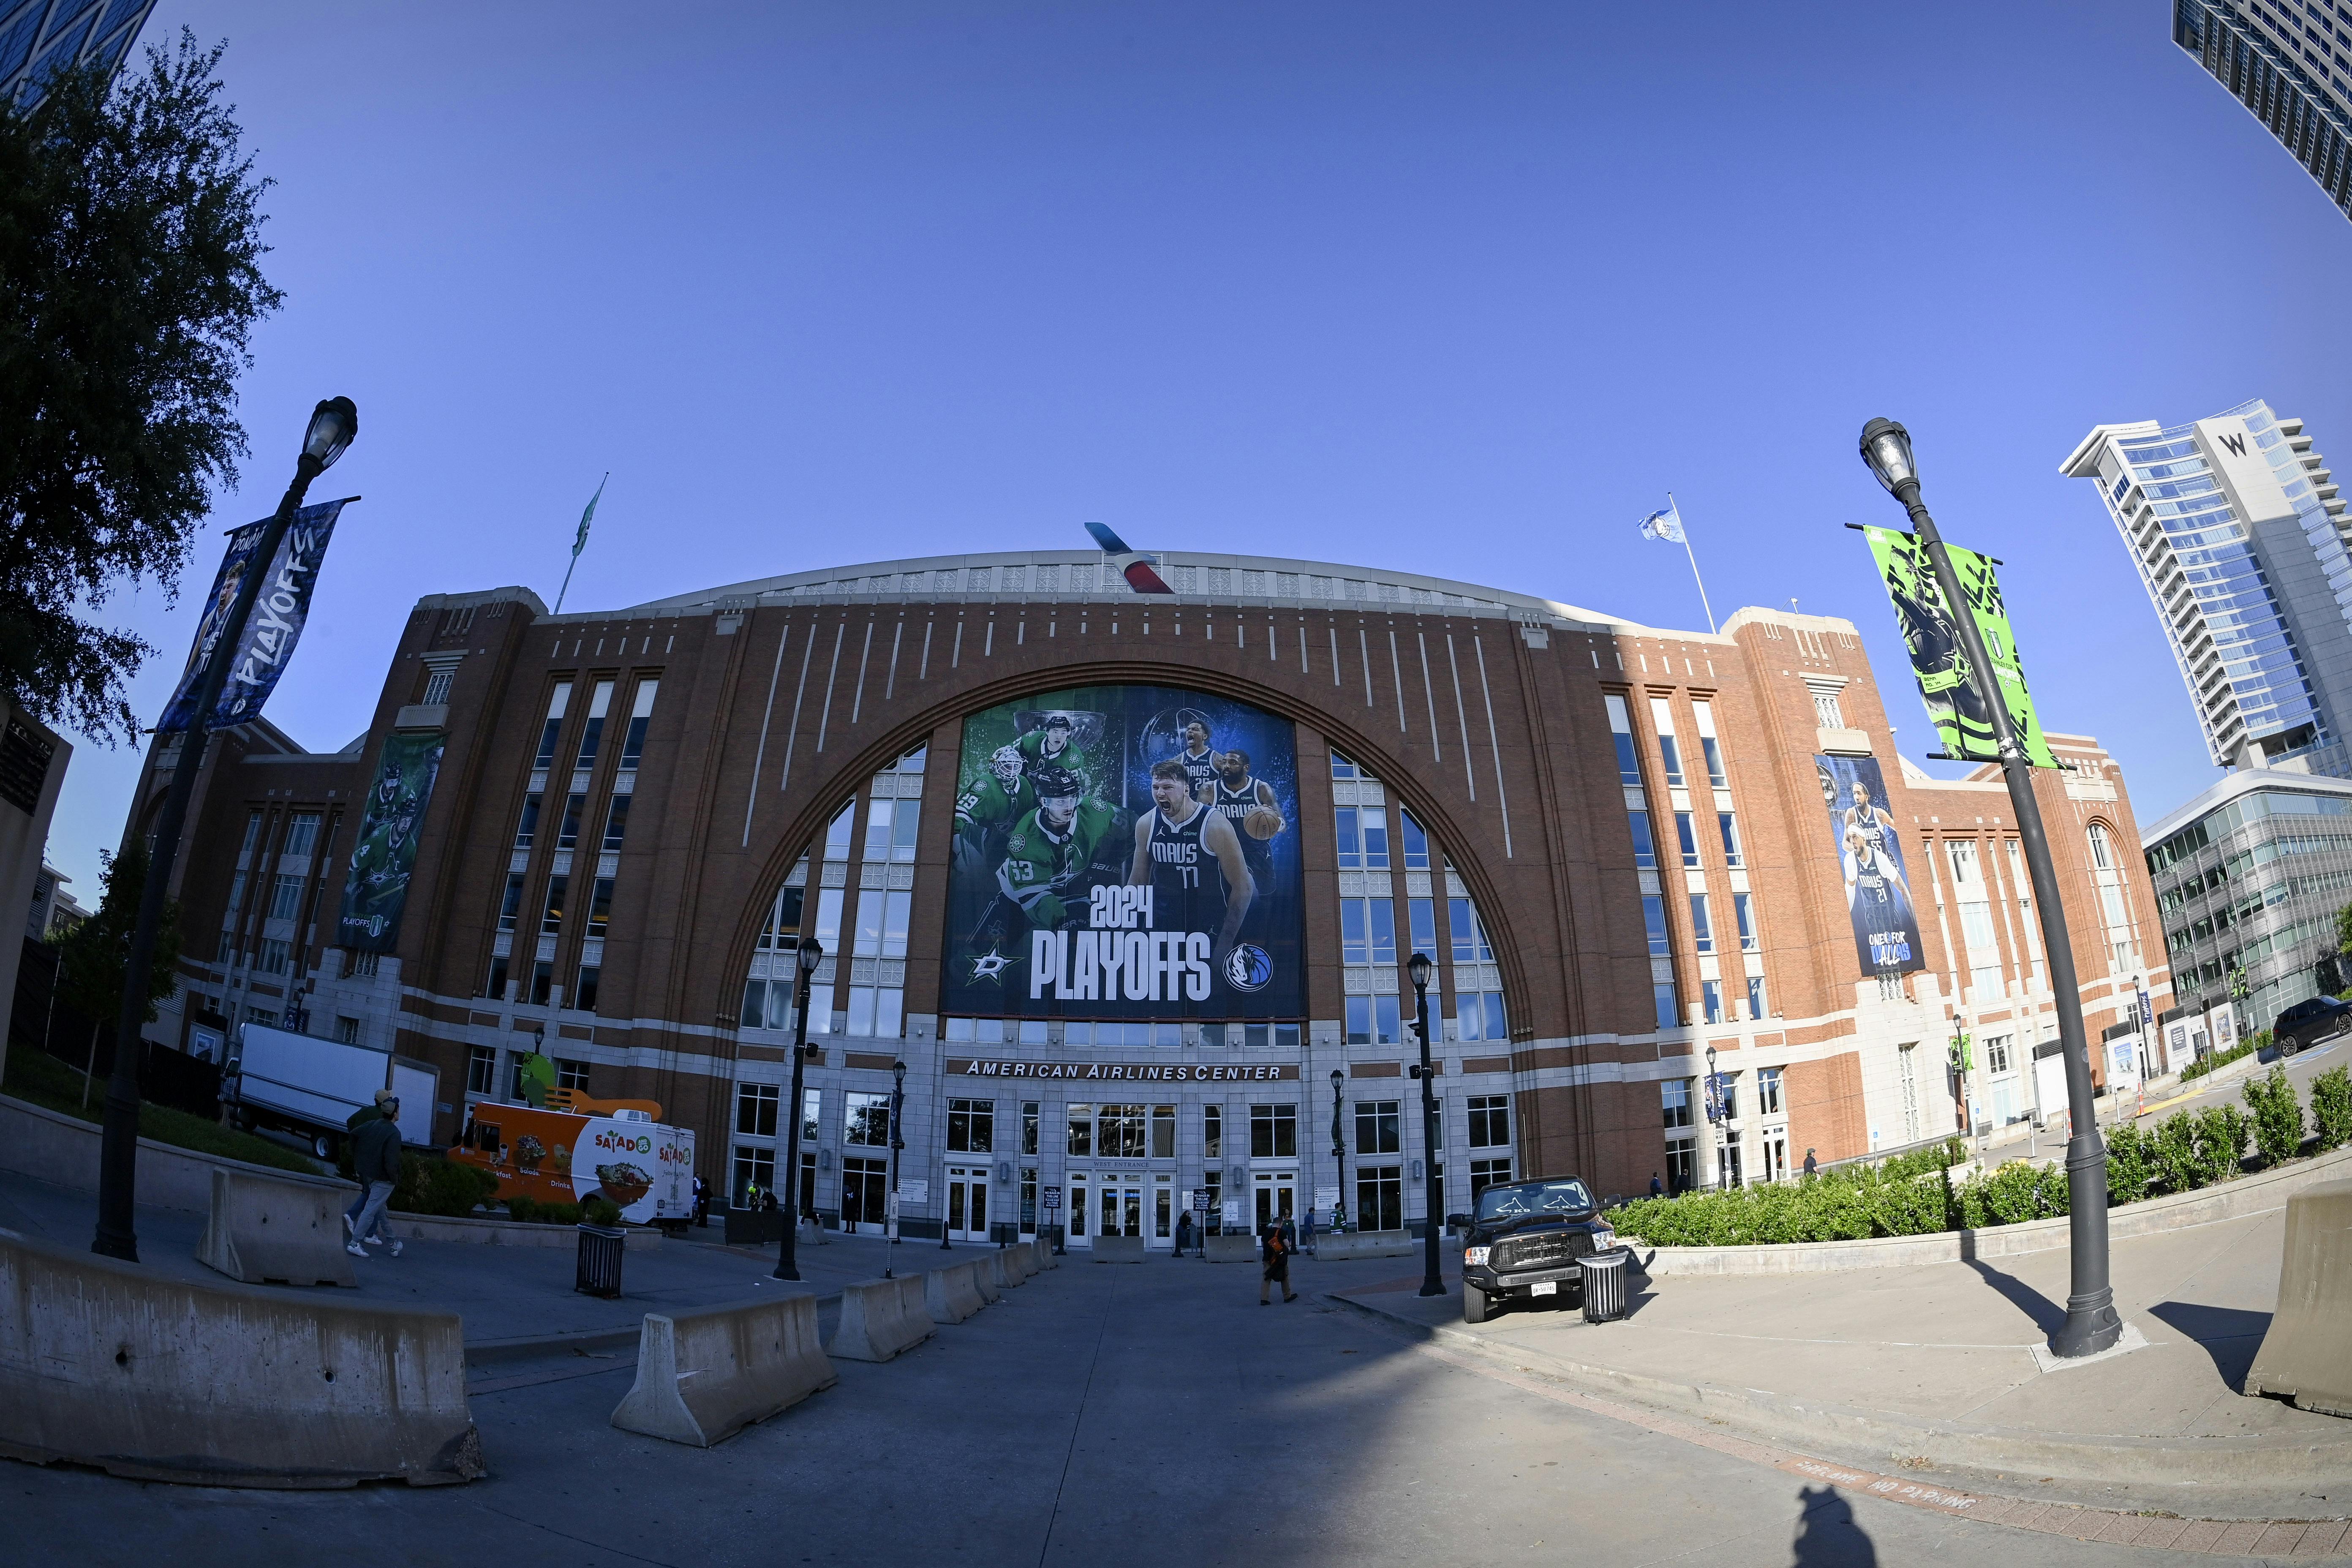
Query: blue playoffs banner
point(270, 633)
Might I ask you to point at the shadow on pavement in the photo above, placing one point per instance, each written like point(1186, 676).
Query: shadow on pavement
point(2226, 1334)
point(2047, 1315)
point(1827, 1536)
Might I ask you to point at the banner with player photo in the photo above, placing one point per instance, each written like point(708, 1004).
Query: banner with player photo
point(1126, 852)
point(1877, 887)
point(376, 892)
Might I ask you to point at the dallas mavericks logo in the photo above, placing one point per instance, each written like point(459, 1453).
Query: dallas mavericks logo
point(1248, 967)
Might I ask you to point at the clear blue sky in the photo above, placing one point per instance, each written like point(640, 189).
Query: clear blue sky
point(1463, 289)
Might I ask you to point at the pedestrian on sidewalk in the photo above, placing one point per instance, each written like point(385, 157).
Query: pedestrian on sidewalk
point(1184, 1232)
point(1273, 1251)
point(359, 1118)
point(376, 1161)
point(1306, 1233)
point(1657, 1187)
point(701, 1203)
point(1811, 1163)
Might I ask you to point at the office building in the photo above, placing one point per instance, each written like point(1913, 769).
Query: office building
point(38, 37)
point(2240, 538)
point(2290, 63)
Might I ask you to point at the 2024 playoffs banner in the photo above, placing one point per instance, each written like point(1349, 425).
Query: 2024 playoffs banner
point(1126, 852)
point(1877, 885)
point(1940, 660)
point(279, 610)
point(376, 890)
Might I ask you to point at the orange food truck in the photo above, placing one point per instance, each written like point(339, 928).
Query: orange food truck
point(577, 1148)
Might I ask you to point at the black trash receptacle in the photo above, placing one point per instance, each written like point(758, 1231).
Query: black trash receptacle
point(600, 1246)
point(1604, 1285)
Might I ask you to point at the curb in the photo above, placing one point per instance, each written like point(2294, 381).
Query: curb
point(2219, 1537)
point(1979, 1454)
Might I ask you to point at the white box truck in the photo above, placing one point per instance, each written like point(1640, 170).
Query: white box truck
point(307, 1085)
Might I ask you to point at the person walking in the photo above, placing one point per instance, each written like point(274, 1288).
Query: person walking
point(1306, 1233)
point(1810, 1164)
point(359, 1118)
point(701, 1203)
point(1274, 1252)
point(1657, 1187)
point(1184, 1232)
point(376, 1161)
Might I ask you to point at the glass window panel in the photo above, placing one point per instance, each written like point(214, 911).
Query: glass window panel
point(1686, 835)
point(1416, 842)
point(1350, 839)
point(1423, 912)
point(904, 821)
point(1653, 920)
point(877, 829)
point(1714, 753)
point(1384, 930)
point(1702, 924)
point(1374, 823)
point(1645, 848)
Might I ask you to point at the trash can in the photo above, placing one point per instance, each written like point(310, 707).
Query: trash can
point(600, 1248)
point(1604, 1285)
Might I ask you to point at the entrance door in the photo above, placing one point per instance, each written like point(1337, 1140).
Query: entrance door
point(1078, 1230)
point(1118, 1207)
point(967, 1203)
point(1164, 1203)
point(1277, 1198)
point(1775, 1153)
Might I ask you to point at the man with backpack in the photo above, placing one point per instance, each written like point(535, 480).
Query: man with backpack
point(1273, 1250)
point(376, 1161)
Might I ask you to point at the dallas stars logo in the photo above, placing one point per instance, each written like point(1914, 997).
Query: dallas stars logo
point(991, 965)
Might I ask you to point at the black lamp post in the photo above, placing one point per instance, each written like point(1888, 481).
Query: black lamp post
point(1339, 1150)
point(898, 1122)
point(1418, 966)
point(811, 953)
point(2091, 1323)
point(333, 424)
point(1717, 1127)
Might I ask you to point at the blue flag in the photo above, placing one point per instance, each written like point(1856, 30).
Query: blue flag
point(1665, 523)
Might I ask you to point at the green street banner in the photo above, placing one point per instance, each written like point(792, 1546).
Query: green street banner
point(1940, 659)
point(377, 889)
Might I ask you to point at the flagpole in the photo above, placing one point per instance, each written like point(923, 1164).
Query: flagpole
point(581, 543)
point(575, 562)
point(1685, 529)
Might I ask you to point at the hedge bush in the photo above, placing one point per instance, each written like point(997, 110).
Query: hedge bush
point(2259, 1040)
point(1914, 1194)
point(537, 1211)
point(438, 1187)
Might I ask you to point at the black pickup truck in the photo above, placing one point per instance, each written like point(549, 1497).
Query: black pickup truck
point(1524, 1243)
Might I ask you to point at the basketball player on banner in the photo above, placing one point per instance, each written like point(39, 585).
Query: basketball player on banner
point(1192, 860)
point(1250, 805)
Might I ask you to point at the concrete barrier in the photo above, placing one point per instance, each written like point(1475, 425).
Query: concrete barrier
point(2306, 1356)
point(262, 1229)
point(988, 1277)
point(875, 1322)
point(2233, 1199)
point(1019, 1266)
point(1118, 1249)
point(949, 1296)
point(706, 1375)
point(109, 1364)
point(1044, 1250)
point(1338, 1249)
point(1231, 1247)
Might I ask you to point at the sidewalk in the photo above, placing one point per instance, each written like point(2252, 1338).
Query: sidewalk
point(1934, 1365)
point(511, 1298)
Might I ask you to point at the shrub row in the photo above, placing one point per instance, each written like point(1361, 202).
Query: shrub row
point(1914, 1194)
point(2259, 1040)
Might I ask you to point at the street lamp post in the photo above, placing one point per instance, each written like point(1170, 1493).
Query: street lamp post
point(1418, 965)
point(811, 953)
point(897, 1123)
point(1339, 1150)
point(1718, 1128)
point(2091, 1323)
point(333, 424)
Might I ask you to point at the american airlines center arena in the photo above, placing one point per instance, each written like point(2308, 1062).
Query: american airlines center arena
point(1127, 886)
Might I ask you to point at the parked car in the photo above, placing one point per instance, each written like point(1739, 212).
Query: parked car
point(2308, 1023)
point(1524, 1243)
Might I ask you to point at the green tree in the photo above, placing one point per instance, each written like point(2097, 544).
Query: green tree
point(130, 283)
point(91, 961)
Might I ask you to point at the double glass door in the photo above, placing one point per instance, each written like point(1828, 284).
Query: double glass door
point(1277, 1198)
point(1104, 1204)
point(967, 1203)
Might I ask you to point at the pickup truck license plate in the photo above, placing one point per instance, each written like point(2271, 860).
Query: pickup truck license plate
point(1545, 1287)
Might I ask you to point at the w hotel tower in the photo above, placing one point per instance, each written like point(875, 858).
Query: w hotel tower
point(1128, 887)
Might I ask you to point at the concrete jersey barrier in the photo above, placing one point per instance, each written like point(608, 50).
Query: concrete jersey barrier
point(2306, 1356)
point(1044, 1250)
point(1334, 1249)
point(2234, 1199)
point(1231, 1248)
point(1019, 1266)
point(704, 1376)
point(949, 1296)
point(1118, 1249)
point(259, 1229)
point(875, 1322)
point(106, 1363)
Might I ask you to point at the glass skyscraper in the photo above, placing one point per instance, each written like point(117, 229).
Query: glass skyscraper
point(38, 36)
point(2240, 538)
point(2289, 62)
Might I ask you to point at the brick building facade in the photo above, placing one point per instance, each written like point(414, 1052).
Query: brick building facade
point(763, 734)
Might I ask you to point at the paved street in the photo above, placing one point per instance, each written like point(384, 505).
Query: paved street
point(1131, 1415)
point(2021, 1140)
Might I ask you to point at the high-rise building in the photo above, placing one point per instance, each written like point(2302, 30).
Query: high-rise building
point(2289, 62)
point(42, 36)
point(2241, 541)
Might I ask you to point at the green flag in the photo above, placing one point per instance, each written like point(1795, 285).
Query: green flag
point(1955, 702)
point(580, 543)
